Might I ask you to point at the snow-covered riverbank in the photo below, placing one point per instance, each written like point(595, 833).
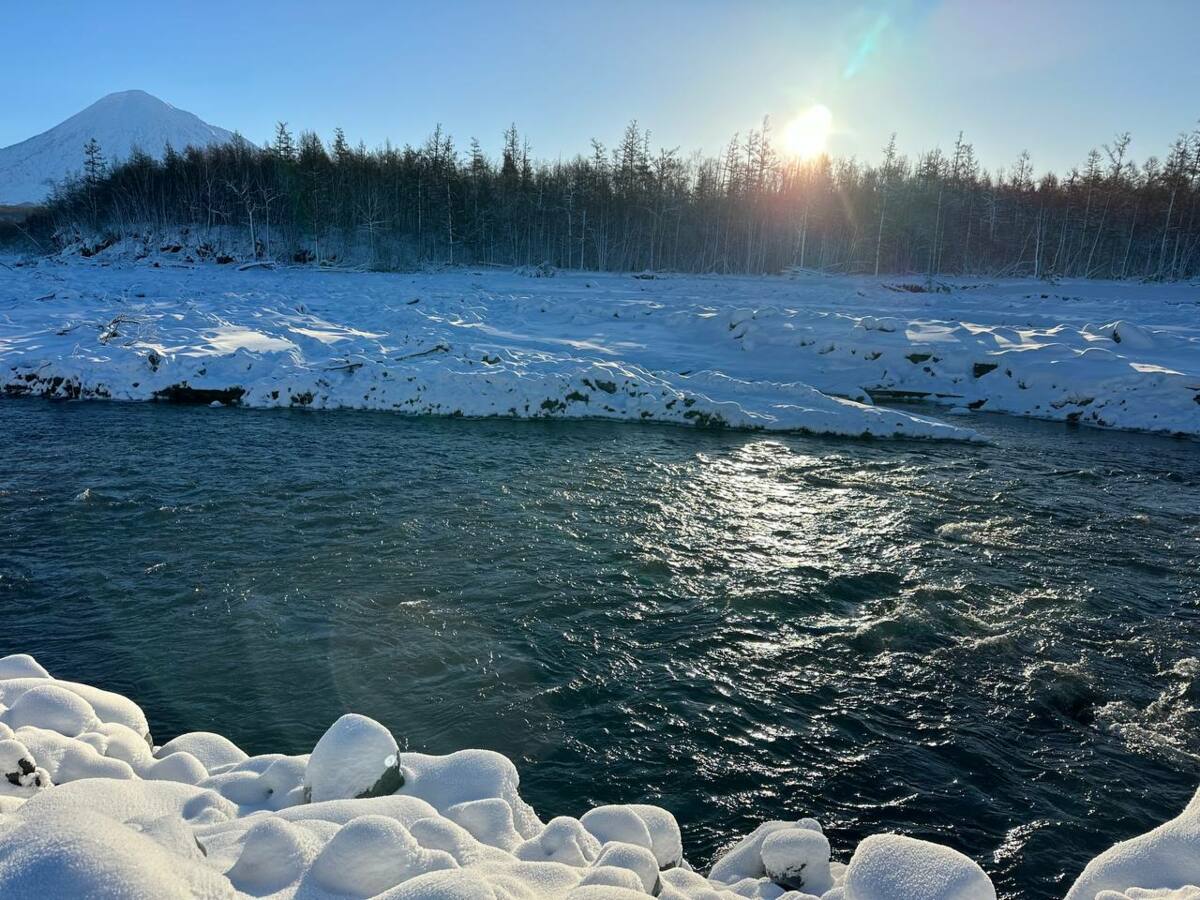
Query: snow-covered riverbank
point(804, 353)
point(90, 806)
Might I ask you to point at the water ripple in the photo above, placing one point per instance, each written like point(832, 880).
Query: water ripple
point(992, 646)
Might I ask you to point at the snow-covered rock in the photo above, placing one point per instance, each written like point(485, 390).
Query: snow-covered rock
point(888, 866)
point(798, 858)
point(370, 854)
point(356, 757)
point(49, 706)
point(214, 751)
point(20, 775)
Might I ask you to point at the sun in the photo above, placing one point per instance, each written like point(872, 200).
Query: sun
point(808, 134)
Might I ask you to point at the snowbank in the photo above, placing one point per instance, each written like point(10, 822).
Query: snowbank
point(814, 354)
point(458, 344)
point(810, 354)
point(90, 806)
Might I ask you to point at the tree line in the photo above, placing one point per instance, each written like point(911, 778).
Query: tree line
point(749, 209)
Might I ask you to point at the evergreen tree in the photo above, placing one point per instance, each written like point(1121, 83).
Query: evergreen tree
point(93, 163)
point(284, 147)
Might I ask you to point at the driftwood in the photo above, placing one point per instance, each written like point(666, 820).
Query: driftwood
point(437, 348)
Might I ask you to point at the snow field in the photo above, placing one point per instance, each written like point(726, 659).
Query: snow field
point(811, 354)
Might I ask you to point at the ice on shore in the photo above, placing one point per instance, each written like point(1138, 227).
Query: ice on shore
point(822, 355)
point(89, 806)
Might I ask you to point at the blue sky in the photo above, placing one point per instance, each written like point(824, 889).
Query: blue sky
point(1055, 76)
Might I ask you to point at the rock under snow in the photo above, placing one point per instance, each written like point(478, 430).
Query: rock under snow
point(887, 866)
point(356, 757)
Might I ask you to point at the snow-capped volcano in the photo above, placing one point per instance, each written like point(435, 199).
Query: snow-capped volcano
point(118, 122)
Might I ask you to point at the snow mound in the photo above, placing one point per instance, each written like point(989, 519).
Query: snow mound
point(1163, 863)
point(887, 866)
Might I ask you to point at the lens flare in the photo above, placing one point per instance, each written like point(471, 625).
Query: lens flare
point(808, 134)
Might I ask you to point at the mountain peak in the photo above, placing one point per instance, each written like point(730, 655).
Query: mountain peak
point(119, 122)
point(134, 94)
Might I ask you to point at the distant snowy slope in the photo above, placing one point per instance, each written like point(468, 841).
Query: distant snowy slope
point(118, 122)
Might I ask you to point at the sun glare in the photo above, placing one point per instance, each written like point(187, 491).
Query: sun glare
point(808, 134)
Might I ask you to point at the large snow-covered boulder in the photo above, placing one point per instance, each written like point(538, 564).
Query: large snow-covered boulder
point(563, 840)
point(356, 757)
point(638, 860)
point(465, 776)
point(84, 853)
point(798, 859)
point(617, 823)
point(275, 854)
point(892, 866)
point(107, 706)
point(745, 859)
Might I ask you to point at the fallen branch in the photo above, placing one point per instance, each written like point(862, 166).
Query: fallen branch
point(439, 348)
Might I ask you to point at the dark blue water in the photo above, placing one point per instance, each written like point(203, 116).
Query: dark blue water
point(987, 646)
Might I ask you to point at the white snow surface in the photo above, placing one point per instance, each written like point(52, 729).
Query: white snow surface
point(808, 353)
point(89, 806)
point(119, 122)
